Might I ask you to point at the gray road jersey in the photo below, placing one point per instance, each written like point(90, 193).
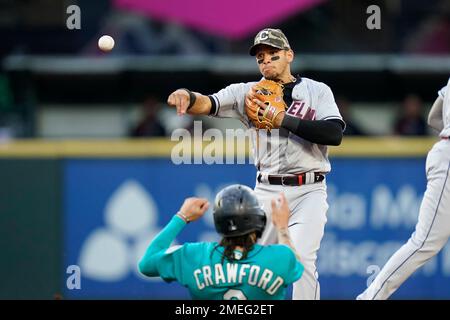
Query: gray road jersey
point(443, 93)
point(279, 151)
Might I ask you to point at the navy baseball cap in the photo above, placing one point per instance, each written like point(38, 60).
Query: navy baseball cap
point(271, 37)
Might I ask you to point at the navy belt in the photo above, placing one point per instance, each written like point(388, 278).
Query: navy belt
point(293, 180)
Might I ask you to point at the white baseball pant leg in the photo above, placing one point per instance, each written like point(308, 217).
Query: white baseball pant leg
point(431, 233)
point(308, 205)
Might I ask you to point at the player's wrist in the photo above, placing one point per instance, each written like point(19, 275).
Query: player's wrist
point(184, 217)
point(192, 97)
point(279, 119)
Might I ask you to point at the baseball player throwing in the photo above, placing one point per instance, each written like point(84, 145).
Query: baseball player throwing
point(292, 120)
point(235, 268)
point(433, 225)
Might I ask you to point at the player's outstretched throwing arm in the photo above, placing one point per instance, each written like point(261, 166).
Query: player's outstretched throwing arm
point(150, 264)
point(186, 101)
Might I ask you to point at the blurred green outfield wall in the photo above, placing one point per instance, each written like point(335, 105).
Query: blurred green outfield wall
point(30, 226)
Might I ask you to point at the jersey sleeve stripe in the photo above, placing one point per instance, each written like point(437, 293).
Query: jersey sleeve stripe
point(215, 105)
point(213, 109)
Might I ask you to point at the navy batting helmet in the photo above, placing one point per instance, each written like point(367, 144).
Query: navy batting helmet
point(237, 212)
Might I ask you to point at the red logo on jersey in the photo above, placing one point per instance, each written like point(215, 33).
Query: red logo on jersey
point(298, 110)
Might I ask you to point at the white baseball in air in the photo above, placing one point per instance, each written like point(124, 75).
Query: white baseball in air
point(106, 43)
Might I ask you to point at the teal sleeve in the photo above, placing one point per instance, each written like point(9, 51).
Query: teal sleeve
point(150, 264)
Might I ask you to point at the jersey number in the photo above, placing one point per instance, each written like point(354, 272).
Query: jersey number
point(233, 294)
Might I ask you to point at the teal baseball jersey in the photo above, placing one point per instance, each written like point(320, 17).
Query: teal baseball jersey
point(263, 275)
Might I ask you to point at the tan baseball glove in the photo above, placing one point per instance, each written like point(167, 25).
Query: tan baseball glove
point(271, 94)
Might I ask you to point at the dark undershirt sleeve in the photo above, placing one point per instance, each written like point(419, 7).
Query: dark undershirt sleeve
point(324, 132)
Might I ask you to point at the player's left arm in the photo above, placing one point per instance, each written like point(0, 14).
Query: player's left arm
point(326, 130)
point(191, 210)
